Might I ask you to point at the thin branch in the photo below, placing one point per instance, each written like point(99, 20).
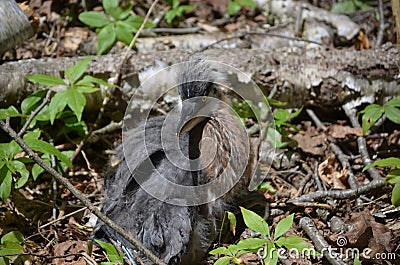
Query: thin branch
point(125, 57)
point(345, 165)
point(319, 241)
point(65, 182)
point(340, 194)
point(316, 120)
point(362, 145)
point(35, 113)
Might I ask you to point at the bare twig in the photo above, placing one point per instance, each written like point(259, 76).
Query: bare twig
point(345, 164)
point(319, 241)
point(125, 57)
point(172, 30)
point(35, 113)
point(65, 182)
point(362, 145)
point(339, 194)
point(316, 120)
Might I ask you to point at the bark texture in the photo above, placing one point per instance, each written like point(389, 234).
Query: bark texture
point(301, 77)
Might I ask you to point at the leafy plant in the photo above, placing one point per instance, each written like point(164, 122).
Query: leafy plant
point(270, 243)
point(116, 23)
point(176, 10)
point(393, 177)
point(235, 6)
point(13, 167)
point(112, 253)
point(11, 244)
point(350, 6)
point(373, 112)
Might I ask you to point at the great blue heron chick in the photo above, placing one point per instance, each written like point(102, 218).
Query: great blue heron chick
point(181, 234)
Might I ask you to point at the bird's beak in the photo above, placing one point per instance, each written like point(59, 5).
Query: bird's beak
point(190, 116)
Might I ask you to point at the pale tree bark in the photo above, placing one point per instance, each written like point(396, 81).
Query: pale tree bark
point(325, 78)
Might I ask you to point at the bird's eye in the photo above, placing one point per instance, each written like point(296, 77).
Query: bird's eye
point(204, 99)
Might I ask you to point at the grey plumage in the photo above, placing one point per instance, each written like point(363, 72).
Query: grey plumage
point(177, 234)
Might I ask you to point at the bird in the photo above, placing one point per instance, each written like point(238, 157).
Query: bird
point(215, 141)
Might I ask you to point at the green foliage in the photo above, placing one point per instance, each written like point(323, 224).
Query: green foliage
point(279, 130)
point(258, 224)
point(350, 6)
point(176, 10)
point(356, 260)
point(11, 244)
point(112, 253)
point(116, 23)
point(373, 112)
point(393, 177)
point(14, 172)
point(235, 6)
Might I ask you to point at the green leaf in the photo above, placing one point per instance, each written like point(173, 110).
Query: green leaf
point(13, 236)
point(112, 253)
point(248, 3)
point(45, 147)
point(9, 113)
point(10, 248)
point(175, 4)
point(9, 150)
point(283, 226)
point(356, 260)
point(123, 33)
point(134, 22)
point(184, 8)
point(46, 80)
point(57, 104)
point(392, 113)
point(94, 19)
point(295, 114)
point(255, 222)
point(36, 171)
point(222, 261)
point(271, 255)
point(391, 161)
point(106, 38)
point(219, 251)
point(362, 6)
point(125, 12)
point(5, 186)
point(344, 7)
point(292, 242)
point(99, 81)
point(87, 89)
point(76, 71)
point(232, 222)
point(21, 169)
point(371, 115)
point(252, 243)
point(395, 102)
point(396, 195)
point(109, 5)
point(393, 176)
point(30, 102)
point(76, 101)
point(233, 8)
point(267, 187)
point(170, 15)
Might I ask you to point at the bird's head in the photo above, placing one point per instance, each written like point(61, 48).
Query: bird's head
point(200, 88)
